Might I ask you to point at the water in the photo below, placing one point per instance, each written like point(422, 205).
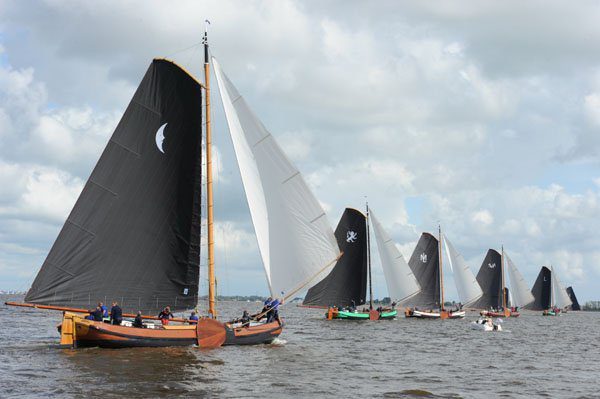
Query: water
point(534, 357)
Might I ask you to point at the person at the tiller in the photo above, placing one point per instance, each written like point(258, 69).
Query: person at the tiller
point(138, 322)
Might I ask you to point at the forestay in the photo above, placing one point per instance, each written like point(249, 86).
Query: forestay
point(561, 298)
point(295, 239)
point(401, 282)
point(520, 293)
point(468, 289)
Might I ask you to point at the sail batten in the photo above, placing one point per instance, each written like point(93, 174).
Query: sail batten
point(467, 287)
point(401, 281)
point(296, 242)
point(133, 235)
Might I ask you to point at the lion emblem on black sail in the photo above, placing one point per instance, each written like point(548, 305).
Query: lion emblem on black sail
point(351, 236)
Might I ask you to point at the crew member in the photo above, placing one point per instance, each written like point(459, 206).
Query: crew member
point(116, 314)
point(95, 314)
point(138, 320)
point(193, 318)
point(165, 315)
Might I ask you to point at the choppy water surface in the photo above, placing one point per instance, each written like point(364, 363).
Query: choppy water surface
point(535, 357)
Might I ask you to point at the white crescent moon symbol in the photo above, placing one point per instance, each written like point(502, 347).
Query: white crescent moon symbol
point(160, 137)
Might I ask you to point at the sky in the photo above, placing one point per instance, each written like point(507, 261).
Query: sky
point(483, 117)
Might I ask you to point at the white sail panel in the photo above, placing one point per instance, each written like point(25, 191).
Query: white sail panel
point(295, 239)
point(401, 282)
point(466, 284)
point(520, 293)
point(561, 298)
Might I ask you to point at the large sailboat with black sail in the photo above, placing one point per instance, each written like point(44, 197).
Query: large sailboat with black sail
point(133, 236)
point(559, 299)
point(491, 278)
point(344, 289)
point(426, 263)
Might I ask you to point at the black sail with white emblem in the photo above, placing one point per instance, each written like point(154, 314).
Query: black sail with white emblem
point(133, 235)
point(489, 278)
point(425, 265)
point(347, 281)
point(542, 290)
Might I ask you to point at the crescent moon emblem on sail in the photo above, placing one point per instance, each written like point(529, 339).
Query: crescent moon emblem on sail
point(160, 137)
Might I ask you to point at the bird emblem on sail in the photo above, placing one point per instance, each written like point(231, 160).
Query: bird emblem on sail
point(351, 236)
point(491, 265)
point(424, 257)
point(160, 137)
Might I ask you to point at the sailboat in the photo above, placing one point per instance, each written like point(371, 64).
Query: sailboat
point(342, 280)
point(559, 299)
point(490, 277)
point(575, 303)
point(133, 235)
point(426, 263)
point(346, 284)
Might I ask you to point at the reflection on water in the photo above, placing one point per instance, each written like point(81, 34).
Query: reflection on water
point(540, 356)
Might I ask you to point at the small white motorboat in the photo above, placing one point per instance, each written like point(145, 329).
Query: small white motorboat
point(487, 324)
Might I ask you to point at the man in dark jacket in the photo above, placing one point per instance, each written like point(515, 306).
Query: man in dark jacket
point(138, 320)
point(95, 314)
point(116, 314)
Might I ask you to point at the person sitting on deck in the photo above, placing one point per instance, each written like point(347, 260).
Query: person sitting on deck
point(104, 309)
point(116, 314)
point(138, 320)
point(193, 318)
point(352, 306)
point(245, 320)
point(95, 315)
point(165, 315)
point(265, 310)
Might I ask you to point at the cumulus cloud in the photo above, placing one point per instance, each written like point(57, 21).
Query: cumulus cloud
point(434, 112)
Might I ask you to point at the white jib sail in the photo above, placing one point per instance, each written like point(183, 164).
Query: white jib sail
point(520, 293)
point(294, 237)
point(401, 282)
point(468, 289)
point(561, 298)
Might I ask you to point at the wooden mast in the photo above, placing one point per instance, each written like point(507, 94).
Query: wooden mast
point(443, 313)
point(369, 261)
point(209, 182)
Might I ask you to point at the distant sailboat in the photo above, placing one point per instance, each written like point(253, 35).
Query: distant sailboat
point(559, 299)
point(398, 279)
point(134, 234)
point(428, 268)
point(575, 303)
point(346, 284)
point(549, 294)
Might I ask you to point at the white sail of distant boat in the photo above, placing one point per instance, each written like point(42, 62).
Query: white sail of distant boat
point(519, 291)
point(559, 294)
point(401, 282)
point(468, 289)
point(295, 239)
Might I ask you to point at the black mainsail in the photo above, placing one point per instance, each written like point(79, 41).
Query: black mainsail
point(134, 233)
point(575, 305)
point(425, 265)
point(489, 279)
point(542, 290)
point(347, 281)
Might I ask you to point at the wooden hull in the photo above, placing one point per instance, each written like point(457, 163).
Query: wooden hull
point(94, 333)
point(344, 315)
point(252, 335)
point(86, 333)
point(419, 314)
point(507, 313)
